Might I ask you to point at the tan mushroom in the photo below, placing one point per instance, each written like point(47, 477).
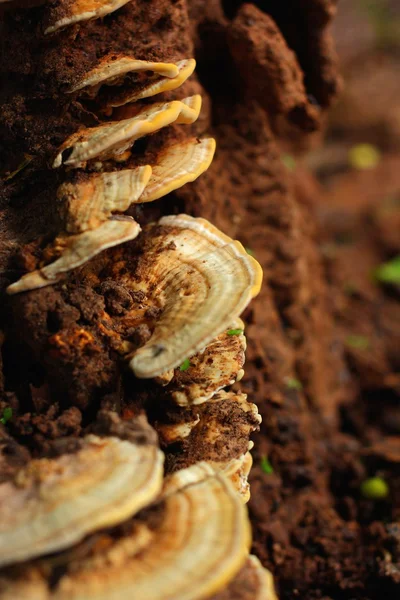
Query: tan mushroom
point(75, 250)
point(253, 582)
point(154, 85)
point(111, 140)
point(91, 199)
point(204, 280)
point(216, 366)
point(68, 12)
point(27, 583)
point(54, 503)
point(217, 431)
point(200, 545)
point(238, 471)
point(177, 165)
point(112, 69)
point(188, 546)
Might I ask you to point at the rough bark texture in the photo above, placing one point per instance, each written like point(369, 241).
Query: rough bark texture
point(267, 73)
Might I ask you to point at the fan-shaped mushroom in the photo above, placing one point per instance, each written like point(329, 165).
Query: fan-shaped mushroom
point(91, 199)
point(238, 470)
point(187, 547)
point(114, 138)
point(76, 250)
point(211, 369)
point(54, 503)
point(112, 69)
point(217, 431)
point(203, 279)
point(199, 546)
point(68, 12)
point(154, 85)
point(177, 165)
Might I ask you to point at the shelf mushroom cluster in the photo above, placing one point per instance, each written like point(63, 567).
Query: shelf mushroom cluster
point(190, 542)
point(106, 520)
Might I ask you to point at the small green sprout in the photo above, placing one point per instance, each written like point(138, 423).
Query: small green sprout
point(289, 161)
point(293, 384)
point(364, 156)
point(249, 251)
point(266, 466)
point(185, 365)
point(234, 332)
point(389, 272)
point(359, 342)
point(7, 414)
point(374, 488)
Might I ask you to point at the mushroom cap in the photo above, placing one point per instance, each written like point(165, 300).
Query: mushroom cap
point(54, 503)
point(188, 546)
point(238, 470)
point(177, 165)
point(111, 69)
point(211, 369)
point(29, 584)
point(217, 431)
point(200, 545)
point(68, 12)
point(76, 250)
point(113, 138)
point(205, 280)
point(155, 85)
point(89, 201)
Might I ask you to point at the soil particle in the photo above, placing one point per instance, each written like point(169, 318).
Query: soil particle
point(135, 430)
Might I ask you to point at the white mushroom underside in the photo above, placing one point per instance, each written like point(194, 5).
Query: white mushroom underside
point(185, 69)
point(112, 139)
point(81, 10)
point(178, 165)
point(55, 503)
point(206, 282)
point(87, 203)
point(111, 69)
point(81, 248)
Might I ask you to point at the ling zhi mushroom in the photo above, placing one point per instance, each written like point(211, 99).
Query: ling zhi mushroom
point(188, 544)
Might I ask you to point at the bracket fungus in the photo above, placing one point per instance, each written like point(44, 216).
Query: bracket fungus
point(177, 165)
point(112, 69)
point(76, 250)
point(238, 470)
point(111, 140)
point(205, 280)
point(53, 503)
point(194, 544)
point(69, 12)
point(89, 201)
point(217, 431)
point(167, 304)
point(154, 85)
point(216, 366)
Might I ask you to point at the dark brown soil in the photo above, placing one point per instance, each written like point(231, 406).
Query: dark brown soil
point(331, 415)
